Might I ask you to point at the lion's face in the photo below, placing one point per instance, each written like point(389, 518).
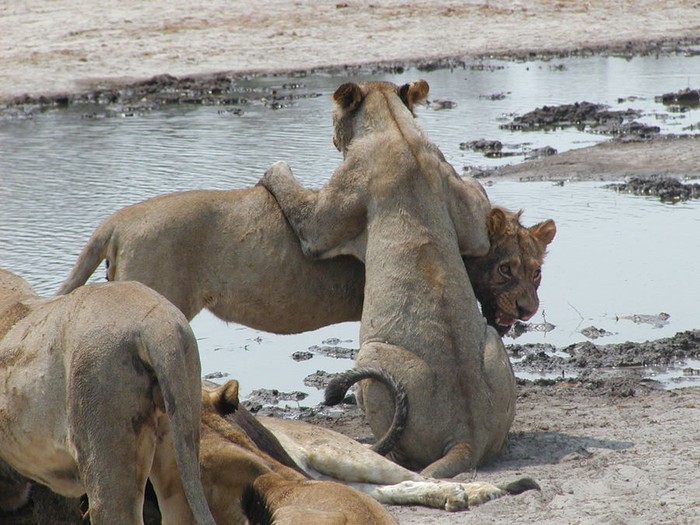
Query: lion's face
point(505, 281)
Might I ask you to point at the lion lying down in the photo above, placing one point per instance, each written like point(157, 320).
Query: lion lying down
point(234, 467)
point(395, 203)
point(89, 385)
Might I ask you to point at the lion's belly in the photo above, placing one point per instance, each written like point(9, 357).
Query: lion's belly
point(33, 419)
point(265, 281)
point(40, 458)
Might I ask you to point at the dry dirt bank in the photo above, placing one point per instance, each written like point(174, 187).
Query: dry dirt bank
point(600, 459)
point(64, 46)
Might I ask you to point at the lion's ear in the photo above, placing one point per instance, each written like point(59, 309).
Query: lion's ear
point(497, 222)
point(544, 232)
point(348, 96)
point(225, 397)
point(414, 93)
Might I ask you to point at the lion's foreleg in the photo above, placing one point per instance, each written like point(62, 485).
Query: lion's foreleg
point(328, 222)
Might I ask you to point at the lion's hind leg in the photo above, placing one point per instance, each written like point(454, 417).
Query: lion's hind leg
point(112, 418)
point(114, 465)
point(443, 494)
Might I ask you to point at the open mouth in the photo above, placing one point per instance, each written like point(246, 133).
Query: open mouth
point(504, 321)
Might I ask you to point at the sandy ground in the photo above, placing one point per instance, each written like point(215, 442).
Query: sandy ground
point(600, 458)
point(67, 46)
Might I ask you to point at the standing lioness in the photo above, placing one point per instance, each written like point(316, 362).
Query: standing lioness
point(233, 253)
point(396, 204)
point(100, 390)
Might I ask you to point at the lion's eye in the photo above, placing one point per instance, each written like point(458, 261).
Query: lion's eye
point(504, 270)
point(536, 274)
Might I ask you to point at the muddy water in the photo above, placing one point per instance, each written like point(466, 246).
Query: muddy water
point(615, 260)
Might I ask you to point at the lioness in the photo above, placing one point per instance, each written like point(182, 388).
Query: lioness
point(99, 391)
point(396, 204)
point(233, 253)
point(243, 482)
point(232, 461)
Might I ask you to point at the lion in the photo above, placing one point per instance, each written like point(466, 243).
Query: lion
point(397, 205)
point(243, 482)
point(100, 391)
point(325, 476)
point(233, 253)
point(506, 279)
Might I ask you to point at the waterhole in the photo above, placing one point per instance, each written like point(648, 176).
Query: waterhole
point(618, 261)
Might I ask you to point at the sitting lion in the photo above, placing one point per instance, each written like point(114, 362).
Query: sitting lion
point(397, 205)
point(99, 391)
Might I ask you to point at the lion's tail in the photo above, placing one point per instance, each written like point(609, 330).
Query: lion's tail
point(339, 385)
point(519, 486)
point(173, 355)
point(94, 252)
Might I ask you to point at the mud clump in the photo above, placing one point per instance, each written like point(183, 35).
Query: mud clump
point(318, 379)
point(485, 145)
point(593, 332)
point(264, 396)
point(337, 352)
point(582, 115)
point(685, 97)
point(667, 189)
point(578, 114)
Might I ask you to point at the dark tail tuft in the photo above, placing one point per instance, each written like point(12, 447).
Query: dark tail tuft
point(255, 507)
point(520, 486)
point(339, 385)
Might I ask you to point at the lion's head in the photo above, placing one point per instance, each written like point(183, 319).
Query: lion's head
point(350, 97)
point(505, 281)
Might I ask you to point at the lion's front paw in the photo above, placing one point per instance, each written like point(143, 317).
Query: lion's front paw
point(275, 174)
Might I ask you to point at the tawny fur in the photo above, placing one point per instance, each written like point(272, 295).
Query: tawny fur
point(100, 391)
point(336, 468)
point(231, 462)
point(396, 204)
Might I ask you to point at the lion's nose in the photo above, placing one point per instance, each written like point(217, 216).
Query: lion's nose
point(526, 309)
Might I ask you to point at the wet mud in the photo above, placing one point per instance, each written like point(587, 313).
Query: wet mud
point(685, 98)
point(589, 356)
point(667, 189)
point(614, 369)
point(579, 114)
point(235, 90)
